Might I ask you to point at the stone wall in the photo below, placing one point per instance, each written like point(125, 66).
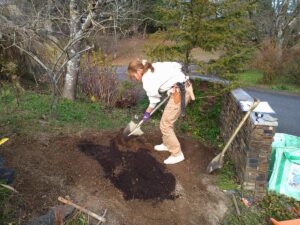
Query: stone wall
point(251, 148)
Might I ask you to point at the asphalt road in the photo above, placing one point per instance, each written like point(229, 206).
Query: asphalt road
point(287, 108)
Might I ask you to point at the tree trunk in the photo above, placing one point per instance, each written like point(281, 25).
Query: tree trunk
point(187, 60)
point(76, 32)
point(281, 24)
point(71, 76)
point(145, 30)
point(48, 22)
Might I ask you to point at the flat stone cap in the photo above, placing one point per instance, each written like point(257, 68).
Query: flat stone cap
point(263, 119)
point(261, 115)
point(241, 95)
point(263, 107)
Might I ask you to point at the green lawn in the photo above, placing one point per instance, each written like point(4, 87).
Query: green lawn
point(71, 116)
point(253, 79)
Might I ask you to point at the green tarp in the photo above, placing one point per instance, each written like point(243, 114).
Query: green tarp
point(285, 165)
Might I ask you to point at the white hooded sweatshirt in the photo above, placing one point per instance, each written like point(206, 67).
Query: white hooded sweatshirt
point(165, 75)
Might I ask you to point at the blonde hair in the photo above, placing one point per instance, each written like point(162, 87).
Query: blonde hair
point(135, 65)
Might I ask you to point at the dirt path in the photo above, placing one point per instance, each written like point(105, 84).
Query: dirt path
point(101, 170)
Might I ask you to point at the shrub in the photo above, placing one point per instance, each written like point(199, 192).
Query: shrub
point(291, 64)
point(268, 62)
point(127, 94)
point(99, 81)
point(8, 69)
point(275, 63)
point(203, 117)
point(279, 206)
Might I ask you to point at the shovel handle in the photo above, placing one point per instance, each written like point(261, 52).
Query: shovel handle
point(92, 214)
point(153, 111)
point(255, 104)
point(159, 105)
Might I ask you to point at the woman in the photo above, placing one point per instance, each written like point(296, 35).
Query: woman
point(162, 77)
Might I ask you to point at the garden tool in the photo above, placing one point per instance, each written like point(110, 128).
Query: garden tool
point(218, 161)
point(5, 137)
point(181, 87)
point(232, 193)
point(135, 129)
point(3, 140)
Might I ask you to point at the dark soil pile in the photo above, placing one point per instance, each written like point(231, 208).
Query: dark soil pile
point(137, 174)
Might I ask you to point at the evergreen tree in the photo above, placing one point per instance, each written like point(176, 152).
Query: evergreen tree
point(205, 24)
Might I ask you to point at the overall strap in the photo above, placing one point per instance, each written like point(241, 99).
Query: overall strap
point(181, 87)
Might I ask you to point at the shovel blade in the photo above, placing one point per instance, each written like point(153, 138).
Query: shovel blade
point(216, 163)
point(132, 129)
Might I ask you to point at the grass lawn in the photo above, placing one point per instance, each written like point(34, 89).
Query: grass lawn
point(71, 116)
point(253, 79)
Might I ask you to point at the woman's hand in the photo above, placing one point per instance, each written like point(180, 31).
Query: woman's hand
point(146, 116)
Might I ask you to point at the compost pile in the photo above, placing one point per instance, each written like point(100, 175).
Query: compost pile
point(138, 175)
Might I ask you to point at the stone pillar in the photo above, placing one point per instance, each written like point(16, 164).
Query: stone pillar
point(251, 148)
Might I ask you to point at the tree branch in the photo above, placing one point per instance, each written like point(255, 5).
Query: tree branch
point(78, 53)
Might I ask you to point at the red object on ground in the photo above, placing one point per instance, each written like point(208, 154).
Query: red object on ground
point(285, 222)
point(246, 202)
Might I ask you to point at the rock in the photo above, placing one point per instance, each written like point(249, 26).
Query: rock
point(1, 162)
point(7, 175)
point(58, 213)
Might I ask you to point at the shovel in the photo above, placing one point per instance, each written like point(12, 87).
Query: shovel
point(135, 129)
point(218, 161)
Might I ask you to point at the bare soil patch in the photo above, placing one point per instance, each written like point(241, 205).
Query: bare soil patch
point(102, 170)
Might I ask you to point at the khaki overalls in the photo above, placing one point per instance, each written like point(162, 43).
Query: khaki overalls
point(170, 115)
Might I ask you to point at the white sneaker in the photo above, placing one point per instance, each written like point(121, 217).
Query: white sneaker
point(174, 159)
point(160, 148)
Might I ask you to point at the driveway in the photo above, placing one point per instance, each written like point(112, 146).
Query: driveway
point(286, 106)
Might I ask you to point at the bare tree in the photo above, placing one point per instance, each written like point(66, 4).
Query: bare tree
point(61, 28)
point(277, 20)
point(286, 21)
point(77, 33)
